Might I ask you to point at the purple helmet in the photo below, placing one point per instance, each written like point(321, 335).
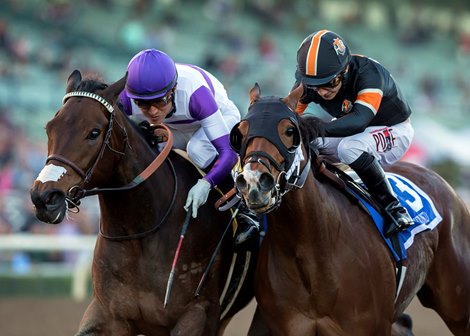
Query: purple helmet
point(151, 74)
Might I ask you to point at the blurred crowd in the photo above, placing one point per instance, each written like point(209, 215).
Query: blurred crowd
point(240, 41)
point(21, 159)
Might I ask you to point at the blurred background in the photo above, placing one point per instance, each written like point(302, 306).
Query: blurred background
point(425, 45)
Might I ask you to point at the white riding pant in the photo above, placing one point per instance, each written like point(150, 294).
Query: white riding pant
point(387, 144)
point(197, 144)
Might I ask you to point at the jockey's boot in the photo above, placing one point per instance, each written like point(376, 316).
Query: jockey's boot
point(248, 226)
point(248, 223)
point(372, 174)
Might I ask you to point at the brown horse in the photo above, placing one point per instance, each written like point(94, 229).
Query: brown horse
point(92, 144)
point(323, 267)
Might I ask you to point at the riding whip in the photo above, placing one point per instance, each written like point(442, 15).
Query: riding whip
point(175, 259)
point(214, 254)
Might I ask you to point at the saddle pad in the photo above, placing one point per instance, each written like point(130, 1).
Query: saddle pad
point(419, 206)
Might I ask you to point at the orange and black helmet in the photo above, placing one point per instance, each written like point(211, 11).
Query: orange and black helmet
point(322, 56)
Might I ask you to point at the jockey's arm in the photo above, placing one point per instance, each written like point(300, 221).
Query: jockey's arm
point(218, 133)
point(352, 123)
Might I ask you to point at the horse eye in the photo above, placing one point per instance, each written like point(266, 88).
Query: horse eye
point(95, 133)
point(290, 131)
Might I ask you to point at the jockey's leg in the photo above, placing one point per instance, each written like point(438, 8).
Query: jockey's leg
point(372, 174)
point(248, 223)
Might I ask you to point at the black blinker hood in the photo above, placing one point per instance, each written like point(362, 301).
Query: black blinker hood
point(263, 118)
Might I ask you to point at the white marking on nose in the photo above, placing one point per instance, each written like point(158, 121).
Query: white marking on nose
point(51, 173)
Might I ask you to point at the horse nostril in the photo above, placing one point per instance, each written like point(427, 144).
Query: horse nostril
point(240, 182)
point(266, 182)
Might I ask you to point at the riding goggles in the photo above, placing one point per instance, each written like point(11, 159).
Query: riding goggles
point(158, 102)
point(330, 85)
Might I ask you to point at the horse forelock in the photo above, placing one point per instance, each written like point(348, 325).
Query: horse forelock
point(91, 85)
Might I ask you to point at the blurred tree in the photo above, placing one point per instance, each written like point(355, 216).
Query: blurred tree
point(449, 170)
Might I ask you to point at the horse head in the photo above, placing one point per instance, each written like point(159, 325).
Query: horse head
point(272, 154)
point(82, 146)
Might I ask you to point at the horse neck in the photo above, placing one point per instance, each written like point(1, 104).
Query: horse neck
point(305, 239)
point(302, 237)
point(140, 207)
point(306, 214)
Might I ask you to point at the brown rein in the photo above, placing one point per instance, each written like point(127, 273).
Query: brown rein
point(145, 174)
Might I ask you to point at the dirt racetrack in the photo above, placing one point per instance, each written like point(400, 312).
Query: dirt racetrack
point(60, 317)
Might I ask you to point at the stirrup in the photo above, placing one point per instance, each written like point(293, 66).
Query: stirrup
point(248, 234)
point(248, 228)
point(400, 219)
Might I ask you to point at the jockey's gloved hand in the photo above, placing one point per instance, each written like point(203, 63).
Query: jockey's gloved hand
point(147, 131)
point(197, 196)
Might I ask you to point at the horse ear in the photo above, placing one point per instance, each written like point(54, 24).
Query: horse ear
point(293, 97)
point(255, 93)
point(73, 81)
point(115, 89)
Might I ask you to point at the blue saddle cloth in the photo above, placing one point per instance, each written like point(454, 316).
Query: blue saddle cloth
point(419, 205)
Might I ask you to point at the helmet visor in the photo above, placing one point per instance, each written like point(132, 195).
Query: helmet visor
point(313, 81)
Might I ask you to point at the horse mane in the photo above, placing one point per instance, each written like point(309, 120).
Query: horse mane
point(92, 82)
point(311, 128)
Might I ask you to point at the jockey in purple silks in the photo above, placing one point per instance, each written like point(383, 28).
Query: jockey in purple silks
point(195, 106)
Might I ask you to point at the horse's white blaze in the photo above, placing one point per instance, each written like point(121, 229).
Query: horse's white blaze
point(51, 173)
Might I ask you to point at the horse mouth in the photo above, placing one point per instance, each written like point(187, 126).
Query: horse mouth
point(260, 206)
point(50, 207)
point(51, 217)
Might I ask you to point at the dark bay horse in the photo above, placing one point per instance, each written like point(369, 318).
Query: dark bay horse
point(92, 144)
point(323, 267)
